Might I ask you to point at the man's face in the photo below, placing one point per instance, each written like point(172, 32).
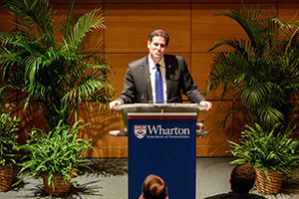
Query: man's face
point(157, 48)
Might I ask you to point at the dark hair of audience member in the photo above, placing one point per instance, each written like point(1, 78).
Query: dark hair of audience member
point(154, 188)
point(242, 178)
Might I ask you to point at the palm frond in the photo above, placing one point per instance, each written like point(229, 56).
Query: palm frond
point(257, 94)
point(84, 25)
point(243, 47)
point(33, 16)
point(55, 74)
point(84, 89)
point(270, 116)
point(262, 69)
point(69, 16)
point(254, 23)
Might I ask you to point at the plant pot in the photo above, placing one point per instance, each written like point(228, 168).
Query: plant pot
point(266, 187)
point(61, 186)
point(6, 174)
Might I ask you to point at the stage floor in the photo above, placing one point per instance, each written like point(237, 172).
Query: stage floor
point(110, 181)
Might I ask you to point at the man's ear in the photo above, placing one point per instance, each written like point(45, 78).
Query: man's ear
point(148, 44)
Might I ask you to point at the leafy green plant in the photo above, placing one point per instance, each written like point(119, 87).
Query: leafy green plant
point(8, 142)
point(57, 152)
point(261, 71)
point(48, 62)
point(275, 150)
point(8, 132)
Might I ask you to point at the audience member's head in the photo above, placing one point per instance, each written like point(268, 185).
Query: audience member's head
point(242, 178)
point(154, 187)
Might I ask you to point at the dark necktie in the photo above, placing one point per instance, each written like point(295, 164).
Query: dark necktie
point(159, 85)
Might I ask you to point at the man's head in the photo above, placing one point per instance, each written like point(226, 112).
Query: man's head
point(242, 178)
point(157, 44)
point(154, 187)
point(159, 33)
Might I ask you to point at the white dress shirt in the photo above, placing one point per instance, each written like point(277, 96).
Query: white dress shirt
point(152, 71)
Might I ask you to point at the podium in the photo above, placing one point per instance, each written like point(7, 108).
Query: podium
point(162, 140)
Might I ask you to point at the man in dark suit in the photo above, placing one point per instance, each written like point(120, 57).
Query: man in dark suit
point(170, 71)
point(242, 180)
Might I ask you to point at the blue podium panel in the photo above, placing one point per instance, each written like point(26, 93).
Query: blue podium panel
point(162, 144)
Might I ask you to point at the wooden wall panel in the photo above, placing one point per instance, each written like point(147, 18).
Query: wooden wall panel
point(5, 17)
point(233, 1)
point(287, 11)
point(128, 26)
point(215, 143)
point(145, 1)
point(207, 28)
point(193, 29)
point(104, 144)
point(79, 4)
point(201, 66)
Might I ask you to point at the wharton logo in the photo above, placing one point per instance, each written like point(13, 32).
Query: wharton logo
point(157, 131)
point(140, 131)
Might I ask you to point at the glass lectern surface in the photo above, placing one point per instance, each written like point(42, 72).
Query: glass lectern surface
point(157, 108)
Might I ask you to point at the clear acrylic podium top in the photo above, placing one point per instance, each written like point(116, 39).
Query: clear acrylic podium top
point(165, 108)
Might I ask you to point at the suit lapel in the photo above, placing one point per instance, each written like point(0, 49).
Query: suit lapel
point(168, 69)
point(148, 86)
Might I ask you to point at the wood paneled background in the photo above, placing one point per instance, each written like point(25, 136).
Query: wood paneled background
point(193, 29)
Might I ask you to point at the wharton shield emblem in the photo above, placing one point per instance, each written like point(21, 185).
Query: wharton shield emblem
point(140, 131)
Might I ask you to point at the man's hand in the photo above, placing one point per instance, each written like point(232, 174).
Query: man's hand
point(207, 104)
point(114, 103)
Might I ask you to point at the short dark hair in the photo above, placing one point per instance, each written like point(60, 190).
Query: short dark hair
point(154, 187)
point(160, 33)
point(242, 178)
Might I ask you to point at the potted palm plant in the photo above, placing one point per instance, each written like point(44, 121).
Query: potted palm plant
point(54, 156)
point(48, 61)
point(273, 154)
point(261, 71)
point(8, 143)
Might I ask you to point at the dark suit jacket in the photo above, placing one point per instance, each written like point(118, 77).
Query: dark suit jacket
point(137, 85)
point(232, 195)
